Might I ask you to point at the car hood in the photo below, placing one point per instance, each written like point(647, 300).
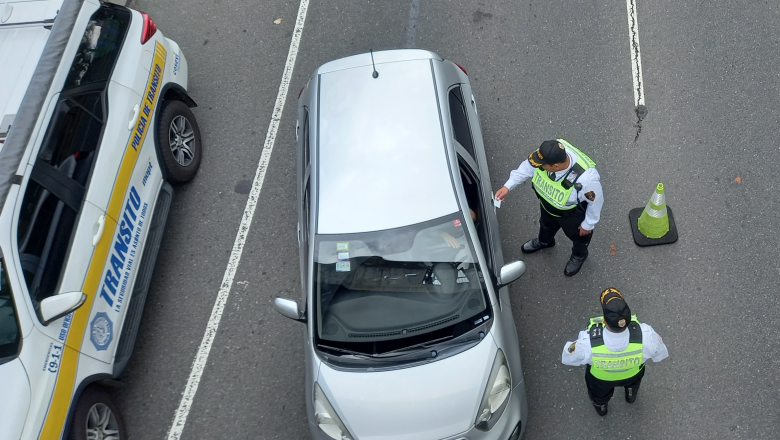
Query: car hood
point(430, 401)
point(16, 399)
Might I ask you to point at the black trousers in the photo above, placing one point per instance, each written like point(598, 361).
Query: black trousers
point(600, 391)
point(549, 226)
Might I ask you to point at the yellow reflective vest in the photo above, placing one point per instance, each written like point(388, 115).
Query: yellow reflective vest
point(610, 365)
point(555, 194)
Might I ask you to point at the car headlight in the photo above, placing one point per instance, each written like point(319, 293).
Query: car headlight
point(326, 418)
point(496, 395)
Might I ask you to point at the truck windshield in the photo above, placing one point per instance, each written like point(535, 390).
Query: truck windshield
point(10, 334)
point(384, 291)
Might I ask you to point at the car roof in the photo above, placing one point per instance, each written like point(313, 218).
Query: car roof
point(24, 29)
point(382, 160)
point(37, 86)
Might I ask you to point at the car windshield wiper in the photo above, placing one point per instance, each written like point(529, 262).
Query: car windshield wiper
point(343, 350)
point(426, 344)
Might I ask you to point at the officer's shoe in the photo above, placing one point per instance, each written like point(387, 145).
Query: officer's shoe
point(631, 395)
point(601, 409)
point(531, 246)
point(574, 265)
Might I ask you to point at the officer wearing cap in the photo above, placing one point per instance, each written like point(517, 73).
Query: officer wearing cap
point(614, 349)
point(569, 190)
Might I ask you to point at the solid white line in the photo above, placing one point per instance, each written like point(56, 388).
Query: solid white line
point(414, 21)
point(243, 230)
point(636, 59)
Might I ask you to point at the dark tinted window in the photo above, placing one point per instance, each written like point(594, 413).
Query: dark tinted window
point(73, 135)
point(45, 227)
point(99, 48)
point(306, 150)
point(460, 123)
point(473, 189)
point(10, 334)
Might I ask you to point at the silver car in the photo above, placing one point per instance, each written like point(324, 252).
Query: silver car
point(409, 330)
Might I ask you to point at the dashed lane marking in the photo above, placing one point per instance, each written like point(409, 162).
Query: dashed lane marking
point(180, 419)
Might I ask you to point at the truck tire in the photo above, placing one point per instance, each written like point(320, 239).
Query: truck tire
point(178, 141)
point(97, 416)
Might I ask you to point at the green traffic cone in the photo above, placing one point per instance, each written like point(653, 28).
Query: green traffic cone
point(654, 224)
point(654, 221)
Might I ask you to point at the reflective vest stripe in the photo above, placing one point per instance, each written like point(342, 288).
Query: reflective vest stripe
point(620, 355)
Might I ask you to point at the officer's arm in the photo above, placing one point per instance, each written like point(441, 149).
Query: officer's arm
point(653, 346)
point(577, 353)
point(592, 193)
point(524, 172)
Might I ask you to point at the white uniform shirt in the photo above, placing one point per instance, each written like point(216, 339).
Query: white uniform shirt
point(590, 181)
point(652, 346)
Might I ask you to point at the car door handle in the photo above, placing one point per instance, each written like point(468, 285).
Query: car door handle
point(98, 230)
point(299, 233)
point(133, 115)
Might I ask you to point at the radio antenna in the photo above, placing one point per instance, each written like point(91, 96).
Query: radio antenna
point(375, 74)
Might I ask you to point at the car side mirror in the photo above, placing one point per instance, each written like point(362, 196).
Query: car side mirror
point(289, 308)
point(57, 306)
point(511, 272)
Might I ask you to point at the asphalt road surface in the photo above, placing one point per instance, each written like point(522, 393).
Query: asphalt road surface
point(539, 70)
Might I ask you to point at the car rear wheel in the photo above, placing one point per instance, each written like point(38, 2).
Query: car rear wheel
point(178, 141)
point(97, 417)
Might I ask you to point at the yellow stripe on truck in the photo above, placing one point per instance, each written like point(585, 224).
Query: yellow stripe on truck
point(63, 390)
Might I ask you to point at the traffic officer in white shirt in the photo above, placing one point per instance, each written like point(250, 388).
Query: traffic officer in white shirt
point(614, 349)
point(569, 190)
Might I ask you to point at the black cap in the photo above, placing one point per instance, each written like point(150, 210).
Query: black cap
point(617, 315)
point(550, 152)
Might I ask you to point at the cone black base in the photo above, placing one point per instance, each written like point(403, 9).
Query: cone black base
point(641, 240)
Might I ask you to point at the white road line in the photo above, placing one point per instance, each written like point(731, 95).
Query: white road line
point(243, 230)
point(636, 59)
point(414, 20)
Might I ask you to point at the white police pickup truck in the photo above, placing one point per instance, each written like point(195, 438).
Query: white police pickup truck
point(95, 124)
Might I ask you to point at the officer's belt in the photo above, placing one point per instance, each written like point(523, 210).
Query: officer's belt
point(555, 212)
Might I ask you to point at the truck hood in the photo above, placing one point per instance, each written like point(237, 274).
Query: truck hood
point(430, 401)
point(15, 403)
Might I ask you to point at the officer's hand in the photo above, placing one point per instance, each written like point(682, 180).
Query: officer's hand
point(584, 232)
point(501, 193)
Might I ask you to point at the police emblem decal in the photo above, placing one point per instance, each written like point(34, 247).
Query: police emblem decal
point(622, 322)
point(101, 331)
point(572, 347)
point(590, 195)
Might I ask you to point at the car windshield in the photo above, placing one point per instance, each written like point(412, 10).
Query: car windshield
point(385, 291)
point(10, 336)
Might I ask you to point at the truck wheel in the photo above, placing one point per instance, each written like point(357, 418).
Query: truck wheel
point(97, 417)
point(178, 141)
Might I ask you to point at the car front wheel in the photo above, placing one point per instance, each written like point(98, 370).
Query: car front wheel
point(97, 417)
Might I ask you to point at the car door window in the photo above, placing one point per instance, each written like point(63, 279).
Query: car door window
point(99, 48)
point(55, 192)
point(306, 149)
point(473, 189)
point(460, 122)
point(73, 135)
point(10, 331)
point(46, 224)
